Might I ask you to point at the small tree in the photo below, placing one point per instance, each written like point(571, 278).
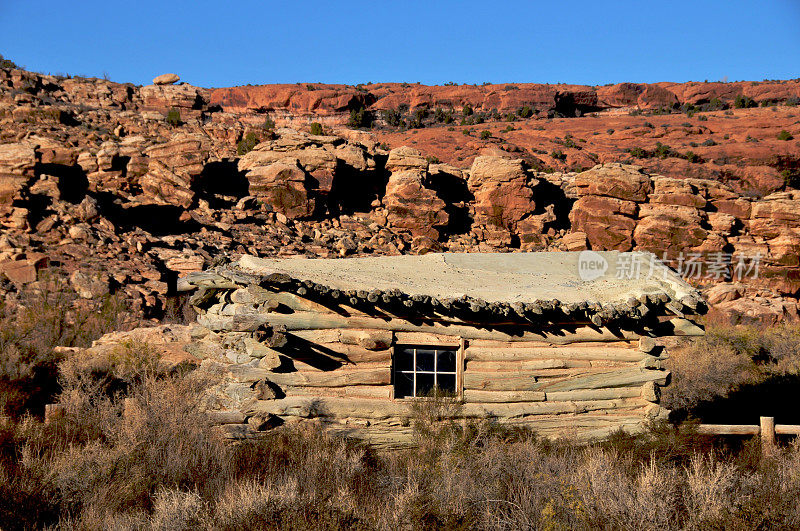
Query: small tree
point(486, 134)
point(247, 144)
point(7, 63)
point(525, 111)
point(316, 128)
point(785, 135)
point(174, 117)
point(359, 118)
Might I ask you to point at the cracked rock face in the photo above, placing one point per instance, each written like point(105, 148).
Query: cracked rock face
point(94, 178)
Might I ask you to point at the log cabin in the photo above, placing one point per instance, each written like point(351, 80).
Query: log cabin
point(566, 344)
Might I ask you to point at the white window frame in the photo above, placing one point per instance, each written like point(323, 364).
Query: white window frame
point(457, 348)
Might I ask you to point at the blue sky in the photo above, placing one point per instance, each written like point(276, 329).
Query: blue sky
point(232, 43)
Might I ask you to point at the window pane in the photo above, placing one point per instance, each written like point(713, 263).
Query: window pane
point(403, 385)
point(446, 382)
point(424, 383)
point(425, 359)
point(404, 359)
point(446, 361)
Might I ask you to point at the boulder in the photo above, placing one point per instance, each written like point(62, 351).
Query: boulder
point(166, 79)
point(173, 168)
point(89, 285)
point(504, 196)
point(412, 207)
point(404, 159)
point(622, 181)
point(607, 222)
point(282, 185)
point(669, 229)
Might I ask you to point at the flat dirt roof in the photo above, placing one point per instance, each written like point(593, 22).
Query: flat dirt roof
point(570, 277)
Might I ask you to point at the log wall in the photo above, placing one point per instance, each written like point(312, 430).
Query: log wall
point(335, 367)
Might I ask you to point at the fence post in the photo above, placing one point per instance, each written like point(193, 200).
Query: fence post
point(768, 444)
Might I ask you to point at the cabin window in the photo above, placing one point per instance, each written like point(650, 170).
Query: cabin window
point(424, 370)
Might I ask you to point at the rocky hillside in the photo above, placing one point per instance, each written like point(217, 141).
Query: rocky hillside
point(128, 188)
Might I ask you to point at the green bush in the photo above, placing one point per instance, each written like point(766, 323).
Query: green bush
point(558, 155)
point(486, 134)
point(392, 117)
point(7, 63)
point(744, 102)
point(174, 117)
point(360, 118)
point(247, 144)
point(525, 112)
point(693, 157)
point(316, 128)
point(663, 151)
point(466, 110)
point(785, 135)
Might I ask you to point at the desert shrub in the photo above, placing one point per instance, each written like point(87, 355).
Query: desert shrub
point(693, 157)
point(174, 117)
point(744, 102)
point(247, 144)
point(558, 155)
point(47, 317)
point(525, 111)
point(316, 128)
point(418, 118)
point(443, 116)
point(486, 134)
point(392, 117)
point(663, 151)
point(785, 135)
point(726, 360)
point(7, 63)
point(359, 118)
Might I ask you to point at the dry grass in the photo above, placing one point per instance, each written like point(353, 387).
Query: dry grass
point(133, 450)
point(47, 315)
point(735, 366)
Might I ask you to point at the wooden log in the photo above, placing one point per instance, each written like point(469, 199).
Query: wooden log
point(310, 406)
point(523, 409)
point(339, 378)
point(768, 443)
point(568, 380)
point(593, 394)
point(331, 335)
point(302, 406)
point(543, 343)
point(356, 391)
point(227, 417)
point(310, 320)
point(512, 352)
point(495, 382)
point(604, 379)
point(728, 429)
point(525, 365)
point(473, 395)
point(423, 338)
point(312, 364)
point(787, 429)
